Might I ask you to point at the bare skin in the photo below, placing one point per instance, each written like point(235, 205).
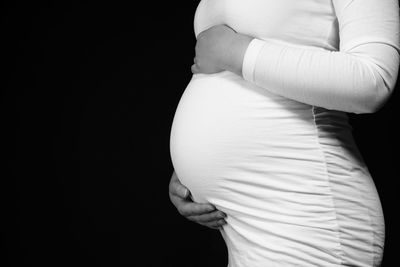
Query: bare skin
point(204, 214)
point(217, 49)
point(220, 48)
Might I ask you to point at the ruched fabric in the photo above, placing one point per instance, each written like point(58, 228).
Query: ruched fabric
point(288, 175)
point(285, 170)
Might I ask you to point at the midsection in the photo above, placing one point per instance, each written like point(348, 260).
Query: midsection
point(277, 167)
point(228, 132)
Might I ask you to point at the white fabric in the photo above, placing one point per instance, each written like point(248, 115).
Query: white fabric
point(273, 149)
point(359, 78)
point(250, 59)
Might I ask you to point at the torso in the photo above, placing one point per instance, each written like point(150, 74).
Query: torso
point(289, 175)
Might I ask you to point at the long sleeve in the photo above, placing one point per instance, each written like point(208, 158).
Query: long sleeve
point(358, 78)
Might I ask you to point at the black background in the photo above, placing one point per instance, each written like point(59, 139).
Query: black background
point(88, 96)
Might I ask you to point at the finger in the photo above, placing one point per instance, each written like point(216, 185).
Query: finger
point(189, 208)
point(178, 189)
point(174, 177)
point(180, 203)
point(195, 69)
point(215, 224)
point(208, 217)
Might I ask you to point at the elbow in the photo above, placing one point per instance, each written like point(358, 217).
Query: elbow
point(372, 97)
point(371, 105)
point(375, 81)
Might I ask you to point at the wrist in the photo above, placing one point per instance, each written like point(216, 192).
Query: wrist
point(235, 51)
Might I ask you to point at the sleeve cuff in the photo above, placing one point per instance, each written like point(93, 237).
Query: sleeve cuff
point(250, 59)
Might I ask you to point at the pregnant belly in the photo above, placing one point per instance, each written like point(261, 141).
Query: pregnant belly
point(286, 174)
point(229, 135)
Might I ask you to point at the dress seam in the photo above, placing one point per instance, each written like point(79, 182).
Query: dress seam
point(361, 196)
point(322, 151)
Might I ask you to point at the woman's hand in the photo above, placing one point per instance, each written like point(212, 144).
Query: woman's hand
point(220, 48)
point(211, 49)
point(204, 214)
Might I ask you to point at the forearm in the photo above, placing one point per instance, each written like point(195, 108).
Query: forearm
point(351, 82)
point(329, 79)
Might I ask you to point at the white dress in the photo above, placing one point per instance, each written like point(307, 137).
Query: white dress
point(273, 149)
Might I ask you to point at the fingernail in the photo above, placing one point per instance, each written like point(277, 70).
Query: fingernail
point(211, 208)
point(185, 194)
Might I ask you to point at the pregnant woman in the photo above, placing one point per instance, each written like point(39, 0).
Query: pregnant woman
point(261, 131)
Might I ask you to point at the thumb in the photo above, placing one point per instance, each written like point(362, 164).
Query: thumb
point(183, 192)
point(178, 189)
point(195, 69)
